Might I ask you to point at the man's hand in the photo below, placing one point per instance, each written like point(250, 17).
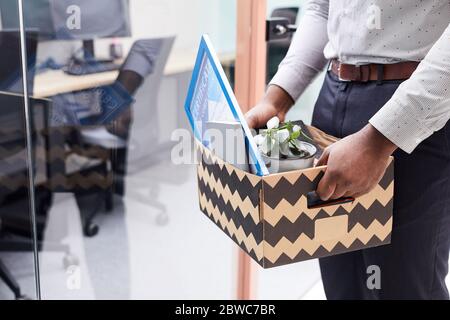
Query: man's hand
point(276, 102)
point(356, 164)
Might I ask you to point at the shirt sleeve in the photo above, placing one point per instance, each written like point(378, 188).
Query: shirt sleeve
point(305, 58)
point(143, 56)
point(421, 105)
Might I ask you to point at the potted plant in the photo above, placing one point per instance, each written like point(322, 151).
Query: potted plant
point(281, 148)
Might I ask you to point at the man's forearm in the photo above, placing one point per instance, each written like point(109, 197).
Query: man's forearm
point(378, 141)
point(278, 97)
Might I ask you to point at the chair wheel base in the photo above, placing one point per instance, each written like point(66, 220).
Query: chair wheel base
point(91, 230)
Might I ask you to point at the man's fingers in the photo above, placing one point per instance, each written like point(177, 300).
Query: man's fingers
point(326, 188)
point(252, 120)
point(349, 194)
point(339, 192)
point(323, 161)
point(363, 192)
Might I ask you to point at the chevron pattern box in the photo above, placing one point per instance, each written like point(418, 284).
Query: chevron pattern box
point(268, 217)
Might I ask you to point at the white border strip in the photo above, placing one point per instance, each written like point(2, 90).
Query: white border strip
point(29, 149)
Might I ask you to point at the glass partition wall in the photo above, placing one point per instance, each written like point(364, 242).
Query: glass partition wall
point(115, 216)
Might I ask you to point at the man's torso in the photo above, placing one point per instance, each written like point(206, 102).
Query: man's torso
point(384, 31)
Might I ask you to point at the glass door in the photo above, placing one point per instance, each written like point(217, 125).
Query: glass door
point(124, 221)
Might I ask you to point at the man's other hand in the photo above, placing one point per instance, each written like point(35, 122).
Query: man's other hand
point(276, 103)
point(356, 164)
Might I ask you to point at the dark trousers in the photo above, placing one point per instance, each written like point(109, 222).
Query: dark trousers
point(415, 265)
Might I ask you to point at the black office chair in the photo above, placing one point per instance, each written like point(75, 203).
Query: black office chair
point(86, 171)
point(277, 49)
point(103, 139)
point(140, 63)
point(104, 168)
point(15, 220)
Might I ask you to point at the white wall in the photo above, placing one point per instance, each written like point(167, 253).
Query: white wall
point(188, 20)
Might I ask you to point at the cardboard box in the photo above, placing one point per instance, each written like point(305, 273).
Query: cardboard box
point(269, 218)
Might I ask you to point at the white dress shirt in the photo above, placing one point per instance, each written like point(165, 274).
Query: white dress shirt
point(380, 31)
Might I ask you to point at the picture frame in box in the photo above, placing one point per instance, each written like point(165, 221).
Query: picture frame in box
point(211, 98)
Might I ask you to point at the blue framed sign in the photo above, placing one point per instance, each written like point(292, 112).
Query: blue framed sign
point(210, 98)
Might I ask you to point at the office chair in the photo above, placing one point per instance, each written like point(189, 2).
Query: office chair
point(277, 49)
point(15, 221)
point(110, 137)
point(86, 172)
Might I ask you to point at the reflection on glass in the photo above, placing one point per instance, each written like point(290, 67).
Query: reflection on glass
point(17, 273)
point(116, 218)
point(11, 64)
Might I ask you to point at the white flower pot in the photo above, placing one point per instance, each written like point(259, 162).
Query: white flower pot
point(276, 165)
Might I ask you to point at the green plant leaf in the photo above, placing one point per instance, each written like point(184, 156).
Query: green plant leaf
point(295, 135)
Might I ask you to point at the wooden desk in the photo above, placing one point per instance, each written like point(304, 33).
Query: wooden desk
point(54, 82)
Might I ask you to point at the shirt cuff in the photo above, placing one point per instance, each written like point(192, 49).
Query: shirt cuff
point(399, 125)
